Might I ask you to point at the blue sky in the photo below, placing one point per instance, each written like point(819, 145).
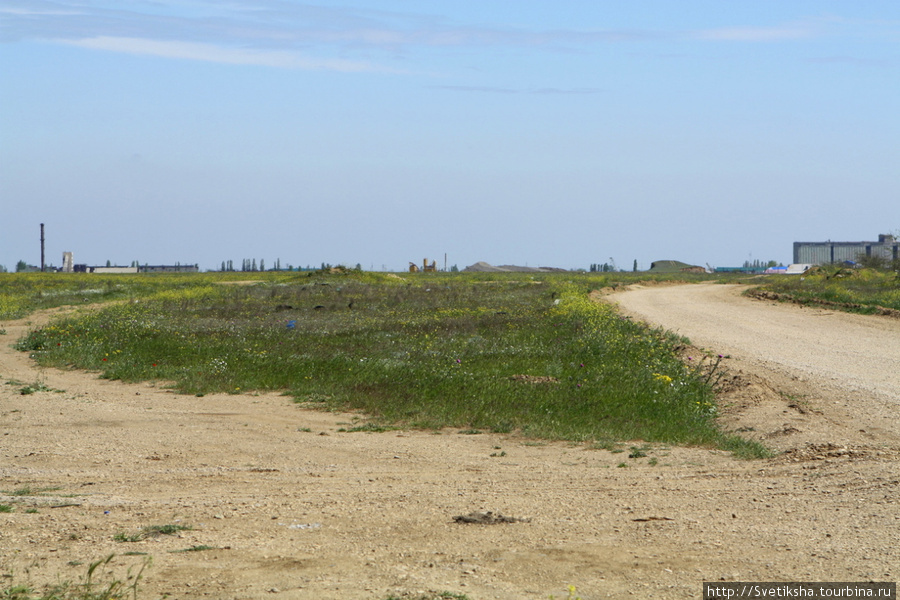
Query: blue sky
point(380, 132)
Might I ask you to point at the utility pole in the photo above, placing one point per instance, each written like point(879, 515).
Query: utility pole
point(42, 247)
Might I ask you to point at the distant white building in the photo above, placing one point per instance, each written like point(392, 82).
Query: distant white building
point(797, 269)
point(112, 270)
point(67, 264)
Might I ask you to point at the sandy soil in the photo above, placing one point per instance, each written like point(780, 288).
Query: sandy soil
point(296, 508)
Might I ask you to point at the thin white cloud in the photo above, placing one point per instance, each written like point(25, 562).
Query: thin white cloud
point(217, 54)
point(853, 61)
point(273, 24)
point(756, 34)
point(475, 88)
point(503, 90)
point(567, 91)
point(36, 12)
point(299, 35)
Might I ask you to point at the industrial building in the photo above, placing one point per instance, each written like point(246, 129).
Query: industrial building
point(137, 269)
point(822, 253)
point(69, 266)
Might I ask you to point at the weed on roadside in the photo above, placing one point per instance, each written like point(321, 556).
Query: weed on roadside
point(27, 490)
point(90, 587)
point(639, 452)
point(150, 532)
point(31, 388)
point(199, 548)
point(368, 428)
point(570, 596)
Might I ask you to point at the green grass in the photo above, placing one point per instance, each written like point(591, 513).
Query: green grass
point(23, 293)
point(37, 386)
point(425, 351)
point(639, 451)
point(200, 548)
point(150, 532)
point(88, 588)
point(27, 490)
point(367, 428)
point(856, 290)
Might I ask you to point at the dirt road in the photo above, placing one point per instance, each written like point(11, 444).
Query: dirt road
point(853, 358)
point(854, 353)
point(284, 503)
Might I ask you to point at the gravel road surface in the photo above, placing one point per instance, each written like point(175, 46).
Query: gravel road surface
point(858, 355)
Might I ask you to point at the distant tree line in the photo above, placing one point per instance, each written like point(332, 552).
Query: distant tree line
point(24, 267)
point(604, 268)
point(759, 264)
point(609, 267)
point(249, 264)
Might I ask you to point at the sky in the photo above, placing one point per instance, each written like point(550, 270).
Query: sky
point(559, 133)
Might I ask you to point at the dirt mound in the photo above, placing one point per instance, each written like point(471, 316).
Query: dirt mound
point(483, 267)
point(487, 518)
point(828, 450)
point(674, 266)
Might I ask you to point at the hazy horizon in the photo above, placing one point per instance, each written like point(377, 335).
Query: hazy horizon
point(379, 132)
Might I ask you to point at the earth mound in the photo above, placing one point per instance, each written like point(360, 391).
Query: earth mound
point(483, 267)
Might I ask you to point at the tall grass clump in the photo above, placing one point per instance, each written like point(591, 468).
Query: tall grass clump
point(503, 353)
point(90, 586)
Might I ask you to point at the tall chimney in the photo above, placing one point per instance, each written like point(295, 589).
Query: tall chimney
point(42, 247)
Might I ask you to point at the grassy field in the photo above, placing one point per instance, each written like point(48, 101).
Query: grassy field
point(503, 353)
point(482, 352)
point(864, 291)
point(22, 293)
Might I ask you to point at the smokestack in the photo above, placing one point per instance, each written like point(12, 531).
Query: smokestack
point(42, 247)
